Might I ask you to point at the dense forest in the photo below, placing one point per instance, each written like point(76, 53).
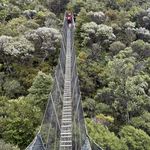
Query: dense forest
point(112, 40)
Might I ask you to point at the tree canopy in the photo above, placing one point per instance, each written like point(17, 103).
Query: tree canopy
point(112, 42)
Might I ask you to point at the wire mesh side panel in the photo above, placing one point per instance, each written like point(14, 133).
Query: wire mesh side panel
point(49, 135)
point(80, 138)
point(79, 130)
point(50, 129)
point(95, 146)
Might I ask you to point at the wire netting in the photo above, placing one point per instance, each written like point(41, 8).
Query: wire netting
point(48, 137)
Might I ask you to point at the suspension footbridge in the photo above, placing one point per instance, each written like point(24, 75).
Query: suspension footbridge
point(63, 126)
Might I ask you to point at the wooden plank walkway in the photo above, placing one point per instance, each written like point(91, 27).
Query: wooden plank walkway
point(66, 123)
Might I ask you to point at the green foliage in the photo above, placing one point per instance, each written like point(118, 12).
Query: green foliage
point(14, 27)
point(17, 26)
point(98, 17)
point(89, 106)
point(18, 47)
point(16, 120)
point(104, 137)
point(112, 40)
point(122, 18)
point(134, 10)
point(103, 108)
point(105, 118)
point(147, 66)
point(40, 17)
point(126, 92)
point(142, 122)
point(40, 89)
point(117, 46)
point(7, 146)
point(93, 33)
point(52, 21)
point(96, 6)
point(12, 88)
point(25, 74)
point(31, 24)
point(45, 38)
point(77, 6)
point(2, 81)
point(141, 48)
point(136, 139)
point(56, 6)
point(3, 14)
point(81, 19)
point(122, 2)
point(91, 74)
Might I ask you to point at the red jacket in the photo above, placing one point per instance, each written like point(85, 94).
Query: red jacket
point(69, 16)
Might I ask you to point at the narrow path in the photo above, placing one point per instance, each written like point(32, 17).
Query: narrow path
point(66, 123)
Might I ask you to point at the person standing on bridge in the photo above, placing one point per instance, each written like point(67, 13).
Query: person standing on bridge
point(69, 18)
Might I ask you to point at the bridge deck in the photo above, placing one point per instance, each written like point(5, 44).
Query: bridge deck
point(66, 123)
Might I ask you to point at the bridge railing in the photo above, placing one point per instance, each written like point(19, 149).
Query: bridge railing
point(48, 137)
point(50, 128)
point(81, 139)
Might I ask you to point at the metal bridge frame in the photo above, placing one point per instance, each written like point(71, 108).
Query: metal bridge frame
point(63, 126)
